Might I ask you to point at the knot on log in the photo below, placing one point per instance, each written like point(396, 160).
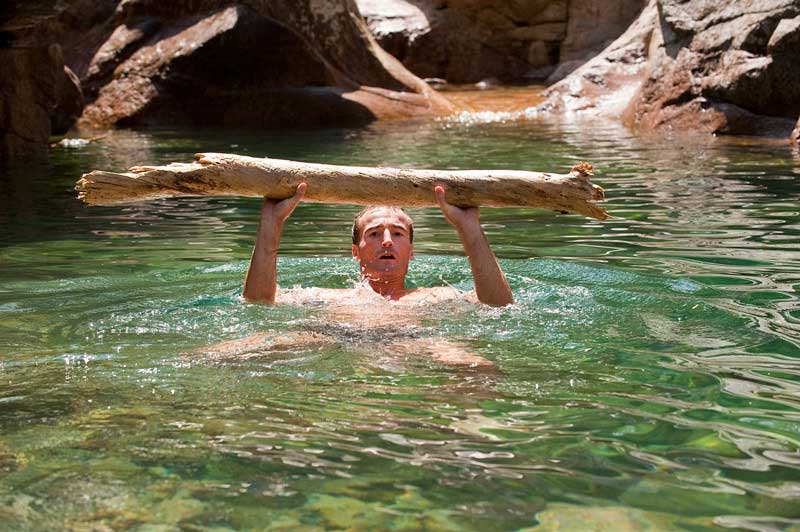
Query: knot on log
point(582, 170)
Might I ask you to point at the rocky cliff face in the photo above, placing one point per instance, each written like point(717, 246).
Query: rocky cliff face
point(252, 62)
point(708, 65)
point(702, 65)
point(465, 41)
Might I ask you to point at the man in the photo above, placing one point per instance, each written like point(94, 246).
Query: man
point(383, 246)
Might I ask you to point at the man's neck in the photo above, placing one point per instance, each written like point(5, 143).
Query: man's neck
point(392, 289)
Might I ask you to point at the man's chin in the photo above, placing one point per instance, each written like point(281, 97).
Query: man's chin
point(377, 270)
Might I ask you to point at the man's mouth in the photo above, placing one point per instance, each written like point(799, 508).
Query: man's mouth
point(387, 256)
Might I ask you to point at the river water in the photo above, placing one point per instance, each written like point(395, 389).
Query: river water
point(648, 376)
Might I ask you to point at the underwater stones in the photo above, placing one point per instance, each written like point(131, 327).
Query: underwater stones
point(347, 513)
point(572, 518)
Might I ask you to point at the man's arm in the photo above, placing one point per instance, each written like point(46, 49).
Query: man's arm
point(261, 281)
point(490, 283)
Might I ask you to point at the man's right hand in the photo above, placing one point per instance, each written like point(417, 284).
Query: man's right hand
point(261, 281)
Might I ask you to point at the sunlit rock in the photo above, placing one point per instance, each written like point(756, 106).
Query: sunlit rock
point(712, 67)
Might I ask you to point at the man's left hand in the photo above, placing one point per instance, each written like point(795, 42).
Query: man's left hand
point(460, 218)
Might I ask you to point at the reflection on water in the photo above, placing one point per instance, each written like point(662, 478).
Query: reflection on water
point(648, 374)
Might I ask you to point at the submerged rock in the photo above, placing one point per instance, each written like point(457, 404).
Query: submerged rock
point(713, 67)
point(564, 517)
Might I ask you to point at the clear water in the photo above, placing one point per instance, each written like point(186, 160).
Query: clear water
point(648, 376)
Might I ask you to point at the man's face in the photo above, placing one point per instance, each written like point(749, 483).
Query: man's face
point(385, 248)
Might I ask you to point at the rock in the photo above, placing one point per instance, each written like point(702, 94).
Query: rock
point(604, 86)
point(38, 97)
point(707, 66)
point(786, 37)
point(594, 24)
point(211, 69)
point(322, 67)
point(564, 517)
point(69, 102)
point(201, 69)
point(259, 62)
point(795, 137)
point(538, 54)
point(511, 40)
point(712, 55)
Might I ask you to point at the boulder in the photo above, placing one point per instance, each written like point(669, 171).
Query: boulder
point(604, 86)
point(795, 137)
point(594, 24)
point(257, 63)
point(722, 65)
point(216, 62)
point(701, 65)
point(39, 97)
point(467, 41)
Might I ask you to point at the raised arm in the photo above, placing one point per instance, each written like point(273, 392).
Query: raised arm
point(490, 283)
point(261, 281)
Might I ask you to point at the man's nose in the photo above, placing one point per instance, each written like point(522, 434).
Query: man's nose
point(387, 238)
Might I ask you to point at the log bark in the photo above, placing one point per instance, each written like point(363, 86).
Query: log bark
point(219, 174)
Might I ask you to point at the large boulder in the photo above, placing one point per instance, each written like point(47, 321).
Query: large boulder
point(605, 85)
point(39, 97)
point(255, 63)
point(465, 41)
point(702, 65)
point(251, 62)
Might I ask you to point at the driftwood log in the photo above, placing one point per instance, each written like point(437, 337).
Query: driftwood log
point(219, 174)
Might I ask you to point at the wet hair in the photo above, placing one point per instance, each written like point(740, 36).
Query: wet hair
point(365, 210)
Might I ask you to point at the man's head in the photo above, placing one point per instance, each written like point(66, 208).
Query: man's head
point(383, 243)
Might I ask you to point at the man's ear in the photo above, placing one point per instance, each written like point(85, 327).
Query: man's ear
point(355, 252)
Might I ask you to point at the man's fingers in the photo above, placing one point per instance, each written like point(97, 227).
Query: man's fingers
point(439, 191)
point(294, 201)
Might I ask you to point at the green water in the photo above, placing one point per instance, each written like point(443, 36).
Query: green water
point(648, 377)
